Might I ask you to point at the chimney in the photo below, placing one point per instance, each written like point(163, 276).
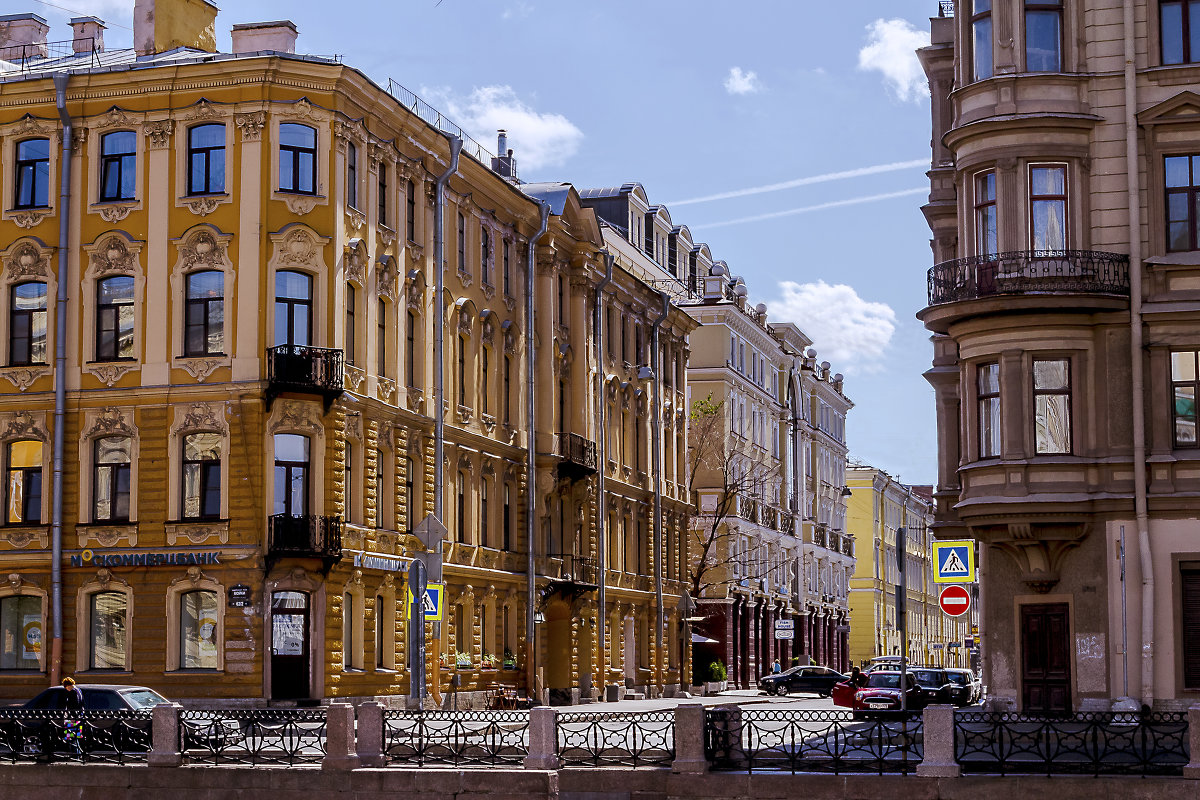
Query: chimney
point(22, 36)
point(255, 37)
point(89, 34)
point(504, 164)
point(161, 25)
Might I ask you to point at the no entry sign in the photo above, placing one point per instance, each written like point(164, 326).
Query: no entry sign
point(954, 600)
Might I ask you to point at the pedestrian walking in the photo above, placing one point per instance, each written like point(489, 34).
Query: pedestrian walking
point(776, 668)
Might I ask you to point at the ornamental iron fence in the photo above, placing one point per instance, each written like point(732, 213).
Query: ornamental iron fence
point(277, 736)
point(1079, 744)
point(644, 739)
point(1029, 272)
point(108, 737)
point(768, 740)
point(461, 738)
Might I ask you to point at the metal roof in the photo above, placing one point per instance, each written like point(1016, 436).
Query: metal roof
point(124, 59)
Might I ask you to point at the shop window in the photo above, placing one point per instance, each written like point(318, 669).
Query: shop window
point(21, 633)
point(107, 623)
point(198, 628)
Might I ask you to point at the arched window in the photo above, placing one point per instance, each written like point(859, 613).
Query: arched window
point(297, 158)
point(293, 308)
point(351, 175)
point(291, 475)
point(201, 476)
point(198, 627)
point(32, 179)
point(21, 632)
point(107, 628)
point(112, 457)
point(114, 319)
point(23, 483)
point(204, 314)
point(118, 166)
point(350, 339)
point(27, 324)
point(206, 159)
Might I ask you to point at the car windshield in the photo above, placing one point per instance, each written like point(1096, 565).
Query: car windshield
point(889, 680)
point(928, 677)
point(958, 678)
point(143, 698)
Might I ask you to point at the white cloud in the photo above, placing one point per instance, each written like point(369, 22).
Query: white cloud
point(740, 82)
point(518, 10)
point(540, 140)
point(848, 331)
point(891, 49)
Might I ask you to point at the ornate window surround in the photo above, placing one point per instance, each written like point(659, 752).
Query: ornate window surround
point(203, 113)
point(202, 247)
point(301, 112)
point(18, 586)
point(297, 580)
point(386, 616)
point(28, 426)
point(112, 253)
point(27, 259)
point(98, 423)
point(28, 127)
point(299, 248)
point(304, 418)
point(104, 581)
point(193, 580)
point(196, 418)
point(115, 120)
point(354, 587)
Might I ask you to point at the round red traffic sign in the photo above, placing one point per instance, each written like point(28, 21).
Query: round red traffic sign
point(954, 600)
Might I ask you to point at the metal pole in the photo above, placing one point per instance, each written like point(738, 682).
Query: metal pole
point(439, 324)
point(417, 580)
point(601, 465)
point(531, 453)
point(656, 454)
point(902, 615)
point(1124, 625)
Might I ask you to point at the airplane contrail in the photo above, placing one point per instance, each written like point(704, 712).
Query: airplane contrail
point(792, 184)
point(820, 207)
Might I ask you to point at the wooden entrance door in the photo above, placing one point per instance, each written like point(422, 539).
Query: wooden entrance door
point(1045, 658)
point(289, 646)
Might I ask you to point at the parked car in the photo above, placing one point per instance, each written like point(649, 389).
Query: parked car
point(967, 688)
point(819, 680)
point(100, 697)
point(884, 662)
point(882, 693)
point(935, 685)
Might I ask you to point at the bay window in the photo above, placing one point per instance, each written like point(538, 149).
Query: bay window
point(1043, 36)
point(1052, 405)
point(1048, 207)
point(981, 39)
point(988, 388)
point(1185, 384)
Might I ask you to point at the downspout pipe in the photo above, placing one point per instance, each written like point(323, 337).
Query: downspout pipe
point(602, 459)
point(1137, 383)
point(60, 379)
point(656, 469)
point(531, 453)
point(439, 325)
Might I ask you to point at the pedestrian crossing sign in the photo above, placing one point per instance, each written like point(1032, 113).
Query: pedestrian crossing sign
point(431, 602)
point(954, 562)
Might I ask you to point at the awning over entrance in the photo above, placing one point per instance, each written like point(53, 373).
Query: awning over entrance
point(698, 639)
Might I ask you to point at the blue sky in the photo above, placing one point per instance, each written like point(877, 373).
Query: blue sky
point(695, 98)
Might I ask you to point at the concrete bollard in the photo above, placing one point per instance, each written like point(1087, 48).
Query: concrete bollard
point(369, 738)
point(938, 743)
point(690, 757)
point(165, 741)
point(543, 739)
point(1192, 770)
point(339, 737)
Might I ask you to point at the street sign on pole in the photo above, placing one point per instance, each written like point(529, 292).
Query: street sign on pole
point(954, 600)
point(954, 562)
point(901, 616)
point(417, 578)
point(784, 633)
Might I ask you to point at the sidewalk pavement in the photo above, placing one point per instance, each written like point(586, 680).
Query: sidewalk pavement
point(738, 696)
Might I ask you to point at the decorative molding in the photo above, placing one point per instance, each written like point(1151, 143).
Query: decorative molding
point(201, 417)
point(204, 109)
point(299, 204)
point(354, 262)
point(111, 371)
point(20, 538)
point(197, 532)
point(115, 118)
point(204, 204)
point(298, 246)
point(387, 390)
point(30, 125)
point(385, 278)
point(24, 425)
point(158, 134)
point(386, 234)
point(114, 253)
point(108, 421)
point(107, 535)
point(251, 125)
point(203, 247)
point(355, 219)
point(27, 258)
point(24, 377)
point(114, 211)
point(200, 367)
point(30, 218)
point(296, 415)
point(356, 379)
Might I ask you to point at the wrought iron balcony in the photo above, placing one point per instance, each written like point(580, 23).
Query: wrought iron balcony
point(1029, 272)
point(304, 370)
point(578, 456)
point(577, 576)
point(306, 536)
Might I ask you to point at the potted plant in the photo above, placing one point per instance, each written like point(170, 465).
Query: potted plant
point(717, 678)
point(488, 661)
point(462, 660)
point(444, 660)
point(510, 660)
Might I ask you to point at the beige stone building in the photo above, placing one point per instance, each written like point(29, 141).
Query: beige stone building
point(246, 386)
point(1066, 327)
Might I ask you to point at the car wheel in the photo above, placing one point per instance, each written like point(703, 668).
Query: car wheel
point(824, 693)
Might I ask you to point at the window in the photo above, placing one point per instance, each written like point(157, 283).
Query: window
point(485, 255)
point(27, 324)
point(484, 367)
point(410, 211)
point(383, 489)
point(1189, 622)
point(348, 483)
point(111, 461)
point(206, 159)
point(461, 522)
point(1180, 42)
point(1052, 405)
point(201, 476)
point(986, 238)
point(1185, 381)
point(462, 243)
point(988, 384)
point(1043, 36)
point(349, 661)
point(381, 338)
point(33, 174)
point(507, 389)
point(507, 270)
point(410, 488)
point(351, 175)
point(410, 349)
point(297, 158)
point(24, 483)
point(1182, 178)
point(204, 314)
point(118, 165)
point(293, 308)
point(462, 370)
point(350, 325)
point(198, 630)
point(380, 630)
point(108, 616)
point(1048, 205)
point(507, 522)
point(382, 200)
point(291, 474)
point(21, 629)
point(981, 39)
point(114, 319)
point(483, 514)
point(559, 314)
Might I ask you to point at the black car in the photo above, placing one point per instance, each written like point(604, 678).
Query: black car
point(965, 686)
point(100, 697)
point(818, 680)
point(935, 685)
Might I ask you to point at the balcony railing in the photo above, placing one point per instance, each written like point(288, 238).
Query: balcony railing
point(307, 536)
point(578, 456)
point(945, 8)
point(577, 576)
point(1029, 272)
point(305, 370)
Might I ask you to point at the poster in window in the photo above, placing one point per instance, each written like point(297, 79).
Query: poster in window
point(31, 646)
point(287, 637)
